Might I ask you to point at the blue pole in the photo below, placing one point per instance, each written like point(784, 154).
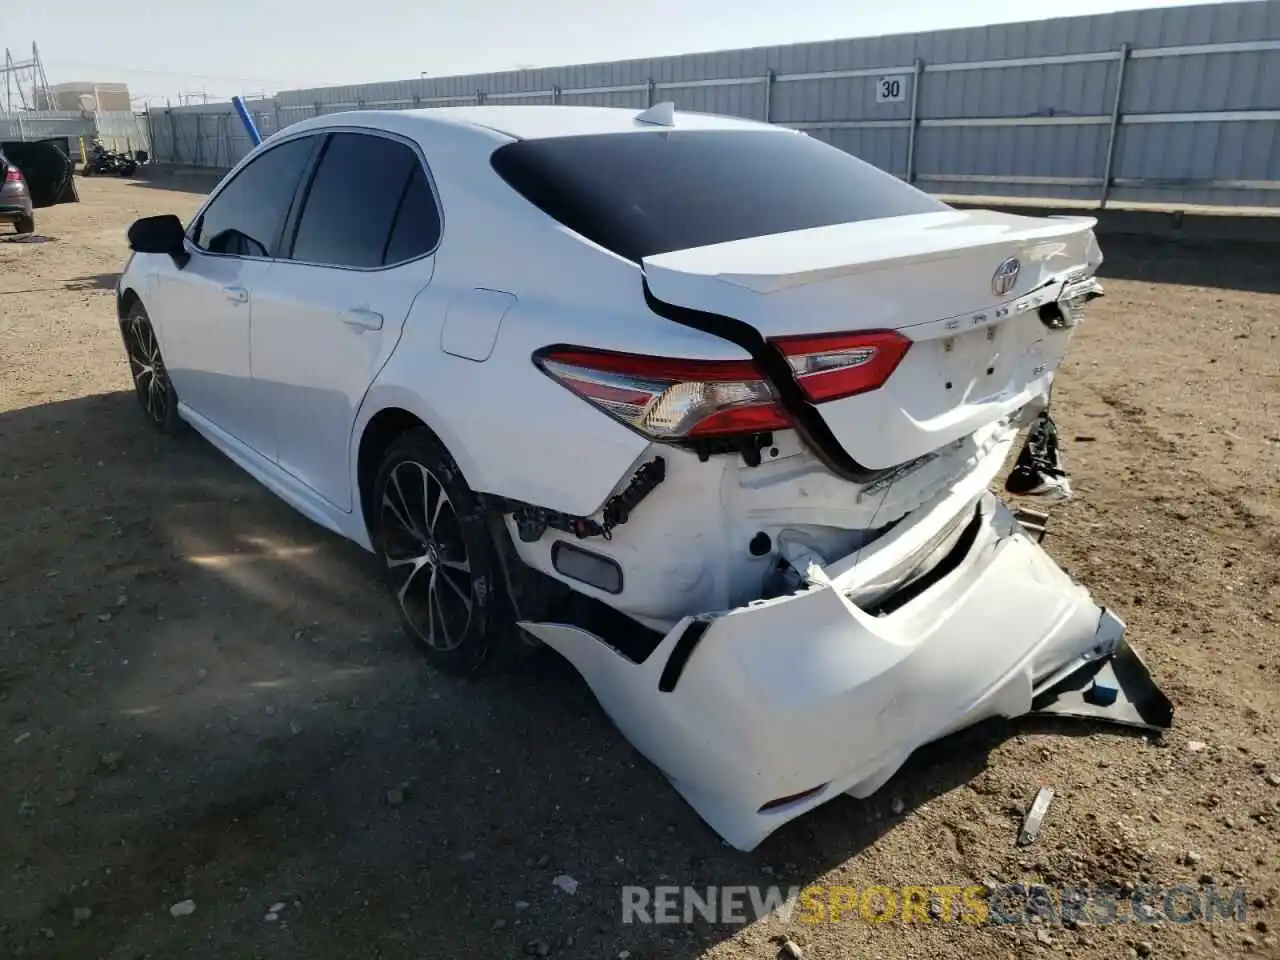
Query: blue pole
point(247, 120)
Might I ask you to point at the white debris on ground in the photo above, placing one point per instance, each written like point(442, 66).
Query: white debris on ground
point(566, 883)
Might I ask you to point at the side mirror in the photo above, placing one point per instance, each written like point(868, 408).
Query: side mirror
point(162, 234)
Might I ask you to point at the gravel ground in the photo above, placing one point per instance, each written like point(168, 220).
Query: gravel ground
point(204, 698)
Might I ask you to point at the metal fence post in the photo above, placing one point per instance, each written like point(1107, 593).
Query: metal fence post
point(555, 94)
point(653, 91)
point(479, 98)
point(770, 78)
point(173, 137)
point(199, 140)
point(917, 77)
point(1115, 126)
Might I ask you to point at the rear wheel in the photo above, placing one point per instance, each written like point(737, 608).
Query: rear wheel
point(439, 561)
point(151, 380)
point(25, 224)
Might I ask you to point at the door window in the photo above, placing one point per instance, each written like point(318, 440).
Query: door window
point(417, 226)
point(246, 217)
point(369, 204)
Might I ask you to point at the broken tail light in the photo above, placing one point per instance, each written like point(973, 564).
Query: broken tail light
point(672, 399)
point(669, 399)
point(833, 366)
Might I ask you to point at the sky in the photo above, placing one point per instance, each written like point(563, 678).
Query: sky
point(262, 46)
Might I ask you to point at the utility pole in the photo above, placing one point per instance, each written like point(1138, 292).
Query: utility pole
point(18, 74)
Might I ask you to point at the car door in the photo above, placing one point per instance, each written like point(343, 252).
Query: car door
point(203, 311)
point(357, 254)
point(47, 170)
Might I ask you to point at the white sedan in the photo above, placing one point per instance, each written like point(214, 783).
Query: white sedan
point(707, 406)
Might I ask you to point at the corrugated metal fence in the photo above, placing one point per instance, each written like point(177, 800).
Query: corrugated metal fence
point(122, 130)
point(44, 125)
point(119, 130)
point(1173, 105)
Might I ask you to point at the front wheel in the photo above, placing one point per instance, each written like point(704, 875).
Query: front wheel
point(439, 561)
point(151, 380)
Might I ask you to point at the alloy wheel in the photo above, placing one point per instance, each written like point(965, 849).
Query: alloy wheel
point(425, 551)
point(149, 376)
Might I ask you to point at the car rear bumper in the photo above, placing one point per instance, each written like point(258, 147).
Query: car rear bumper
point(808, 696)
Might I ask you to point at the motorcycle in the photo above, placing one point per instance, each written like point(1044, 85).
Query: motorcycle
point(101, 161)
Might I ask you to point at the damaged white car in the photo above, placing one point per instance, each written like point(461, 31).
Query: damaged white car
point(707, 406)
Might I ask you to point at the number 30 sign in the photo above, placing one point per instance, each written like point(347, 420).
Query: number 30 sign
point(891, 89)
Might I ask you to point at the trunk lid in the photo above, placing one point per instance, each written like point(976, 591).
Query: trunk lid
point(945, 280)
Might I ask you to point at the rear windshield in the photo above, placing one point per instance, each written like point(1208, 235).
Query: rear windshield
point(641, 194)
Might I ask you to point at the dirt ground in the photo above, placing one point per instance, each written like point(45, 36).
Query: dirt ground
point(205, 698)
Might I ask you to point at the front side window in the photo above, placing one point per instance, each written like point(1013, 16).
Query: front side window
point(644, 193)
point(354, 214)
point(246, 217)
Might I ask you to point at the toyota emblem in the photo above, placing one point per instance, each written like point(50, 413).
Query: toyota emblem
point(1005, 277)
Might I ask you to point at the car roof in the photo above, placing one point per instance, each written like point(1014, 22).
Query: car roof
point(531, 122)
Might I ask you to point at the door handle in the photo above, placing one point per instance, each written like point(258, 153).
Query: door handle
point(236, 294)
point(362, 319)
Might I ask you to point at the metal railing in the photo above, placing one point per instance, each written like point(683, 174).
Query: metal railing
point(917, 74)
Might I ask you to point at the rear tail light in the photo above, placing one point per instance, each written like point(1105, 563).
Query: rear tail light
point(831, 366)
point(12, 175)
point(669, 399)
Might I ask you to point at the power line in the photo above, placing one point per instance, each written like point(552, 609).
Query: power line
point(114, 68)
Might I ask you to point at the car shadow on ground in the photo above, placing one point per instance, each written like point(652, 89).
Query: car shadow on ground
point(209, 698)
point(195, 180)
point(97, 281)
point(1207, 263)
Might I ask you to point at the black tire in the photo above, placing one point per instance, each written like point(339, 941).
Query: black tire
point(25, 224)
point(151, 380)
point(430, 534)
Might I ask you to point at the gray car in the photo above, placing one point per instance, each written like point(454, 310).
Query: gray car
point(15, 198)
point(32, 175)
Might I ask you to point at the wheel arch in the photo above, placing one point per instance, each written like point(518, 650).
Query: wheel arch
point(387, 413)
point(125, 299)
point(378, 434)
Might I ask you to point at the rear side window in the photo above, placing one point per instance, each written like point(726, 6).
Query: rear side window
point(352, 204)
point(246, 217)
point(417, 224)
point(641, 194)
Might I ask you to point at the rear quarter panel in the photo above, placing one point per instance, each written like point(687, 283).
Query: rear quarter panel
point(514, 431)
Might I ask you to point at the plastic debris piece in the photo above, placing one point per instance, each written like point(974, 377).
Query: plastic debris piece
point(1034, 819)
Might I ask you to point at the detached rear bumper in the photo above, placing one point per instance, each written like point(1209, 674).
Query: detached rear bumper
point(808, 696)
